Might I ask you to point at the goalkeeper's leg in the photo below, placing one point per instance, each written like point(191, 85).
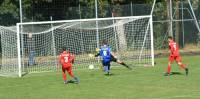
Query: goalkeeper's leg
point(120, 62)
point(109, 68)
point(106, 66)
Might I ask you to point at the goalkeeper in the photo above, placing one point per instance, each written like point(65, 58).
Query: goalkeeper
point(108, 56)
point(66, 60)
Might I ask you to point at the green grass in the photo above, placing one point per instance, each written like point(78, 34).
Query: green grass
point(140, 83)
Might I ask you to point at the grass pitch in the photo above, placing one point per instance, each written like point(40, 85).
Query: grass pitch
point(140, 83)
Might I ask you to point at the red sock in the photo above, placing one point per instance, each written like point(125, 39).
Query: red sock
point(169, 69)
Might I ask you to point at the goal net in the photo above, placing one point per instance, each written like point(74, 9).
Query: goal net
point(35, 46)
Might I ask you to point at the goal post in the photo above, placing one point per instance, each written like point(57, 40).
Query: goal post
point(152, 43)
point(38, 44)
point(19, 51)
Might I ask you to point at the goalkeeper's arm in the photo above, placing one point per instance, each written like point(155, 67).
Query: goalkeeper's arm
point(97, 52)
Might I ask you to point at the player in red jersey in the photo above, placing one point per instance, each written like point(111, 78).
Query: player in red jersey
point(66, 60)
point(174, 55)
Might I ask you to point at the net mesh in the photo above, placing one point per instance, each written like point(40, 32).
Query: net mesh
point(41, 43)
point(9, 59)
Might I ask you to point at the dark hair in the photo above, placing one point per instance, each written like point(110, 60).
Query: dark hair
point(105, 42)
point(64, 48)
point(170, 37)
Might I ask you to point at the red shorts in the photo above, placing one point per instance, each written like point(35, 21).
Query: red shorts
point(67, 68)
point(177, 58)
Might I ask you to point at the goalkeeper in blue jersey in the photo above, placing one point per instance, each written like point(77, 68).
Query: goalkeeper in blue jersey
point(107, 57)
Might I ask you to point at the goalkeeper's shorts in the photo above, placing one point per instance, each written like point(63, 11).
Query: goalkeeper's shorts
point(113, 59)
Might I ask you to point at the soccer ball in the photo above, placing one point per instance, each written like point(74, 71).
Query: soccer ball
point(91, 66)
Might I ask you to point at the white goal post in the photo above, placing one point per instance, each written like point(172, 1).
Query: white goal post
point(37, 44)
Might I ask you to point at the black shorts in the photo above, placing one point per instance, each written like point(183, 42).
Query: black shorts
point(113, 59)
point(106, 63)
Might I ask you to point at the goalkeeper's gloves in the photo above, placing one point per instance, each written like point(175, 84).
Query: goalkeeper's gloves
point(97, 50)
point(97, 55)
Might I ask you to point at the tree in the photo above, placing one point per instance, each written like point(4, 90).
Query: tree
point(9, 12)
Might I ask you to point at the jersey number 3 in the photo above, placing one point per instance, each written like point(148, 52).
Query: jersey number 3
point(66, 59)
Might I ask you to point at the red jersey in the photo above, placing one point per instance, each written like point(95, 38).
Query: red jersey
point(174, 48)
point(65, 59)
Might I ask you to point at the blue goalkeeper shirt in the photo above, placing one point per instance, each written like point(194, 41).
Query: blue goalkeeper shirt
point(105, 53)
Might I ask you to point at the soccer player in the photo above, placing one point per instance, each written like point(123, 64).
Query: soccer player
point(31, 49)
point(107, 57)
point(66, 60)
point(174, 55)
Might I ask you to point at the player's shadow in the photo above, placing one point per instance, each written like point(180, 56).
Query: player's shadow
point(72, 82)
point(109, 74)
point(176, 73)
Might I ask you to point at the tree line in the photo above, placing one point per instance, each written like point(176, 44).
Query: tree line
point(40, 10)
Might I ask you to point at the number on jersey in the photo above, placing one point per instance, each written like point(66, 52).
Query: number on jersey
point(105, 53)
point(66, 59)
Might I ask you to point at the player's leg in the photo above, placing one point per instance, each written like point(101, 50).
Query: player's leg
point(106, 70)
point(168, 69)
point(105, 66)
point(124, 64)
point(31, 58)
point(120, 62)
point(70, 72)
point(183, 66)
point(64, 76)
point(109, 68)
point(171, 59)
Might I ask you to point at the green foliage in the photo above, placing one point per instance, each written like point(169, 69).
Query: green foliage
point(9, 12)
point(9, 9)
point(102, 8)
point(27, 10)
point(196, 4)
point(88, 8)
